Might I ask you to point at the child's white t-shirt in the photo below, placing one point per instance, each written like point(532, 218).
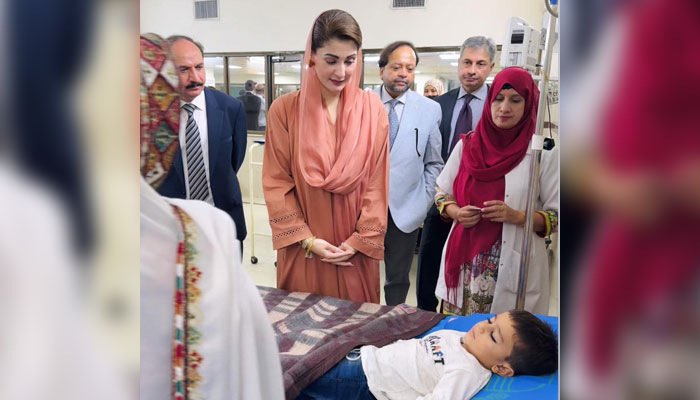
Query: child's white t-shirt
point(434, 367)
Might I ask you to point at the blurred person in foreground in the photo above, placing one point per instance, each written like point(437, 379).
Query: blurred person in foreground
point(204, 328)
point(45, 136)
point(47, 341)
point(433, 88)
point(212, 138)
point(483, 189)
point(326, 170)
point(636, 326)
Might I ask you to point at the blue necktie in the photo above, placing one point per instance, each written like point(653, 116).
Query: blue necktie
point(196, 174)
point(393, 122)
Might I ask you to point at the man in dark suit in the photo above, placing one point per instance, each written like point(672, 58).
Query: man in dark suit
point(252, 104)
point(212, 138)
point(461, 111)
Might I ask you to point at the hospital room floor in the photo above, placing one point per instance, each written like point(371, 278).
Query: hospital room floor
point(263, 273)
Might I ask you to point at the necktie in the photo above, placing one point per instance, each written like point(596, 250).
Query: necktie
point(464, 121)
point(196, 174)
point(393, 122)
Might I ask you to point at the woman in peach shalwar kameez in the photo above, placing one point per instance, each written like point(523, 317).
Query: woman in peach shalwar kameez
point(326, 170)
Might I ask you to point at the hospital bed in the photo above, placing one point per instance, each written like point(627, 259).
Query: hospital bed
point(315, 332)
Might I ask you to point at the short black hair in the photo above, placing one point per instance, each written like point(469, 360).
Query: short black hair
point(174, 38)
point(390, 48)
point(536, 351)
point(249, 85)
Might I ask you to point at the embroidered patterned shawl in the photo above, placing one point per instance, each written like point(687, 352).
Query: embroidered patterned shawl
point(160, 110)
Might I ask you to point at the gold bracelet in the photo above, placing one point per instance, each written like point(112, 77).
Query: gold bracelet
point(442, 208)
point(305, 242)
point(308, 249)
point(547, 223)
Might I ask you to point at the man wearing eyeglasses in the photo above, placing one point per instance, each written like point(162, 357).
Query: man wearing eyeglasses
point(461, 111)
point(414, 159)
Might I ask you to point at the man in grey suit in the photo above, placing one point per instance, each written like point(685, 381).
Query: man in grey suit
point(461, 111)
point(414, 159)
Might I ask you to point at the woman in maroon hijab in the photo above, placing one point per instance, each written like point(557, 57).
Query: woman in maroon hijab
point(483, 188)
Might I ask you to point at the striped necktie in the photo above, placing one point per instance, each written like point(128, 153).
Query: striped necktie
point(196, 174)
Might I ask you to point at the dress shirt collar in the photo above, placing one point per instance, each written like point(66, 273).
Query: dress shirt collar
point(480, 93)
point(197, 102)
point(386, 97)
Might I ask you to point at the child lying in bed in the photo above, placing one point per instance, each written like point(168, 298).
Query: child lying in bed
point(445, 364)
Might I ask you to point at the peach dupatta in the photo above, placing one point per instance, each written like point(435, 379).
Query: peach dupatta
point(341, 169)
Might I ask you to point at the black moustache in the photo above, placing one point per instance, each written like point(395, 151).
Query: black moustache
point(194, 85)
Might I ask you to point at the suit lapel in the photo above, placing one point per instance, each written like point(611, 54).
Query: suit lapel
point(215, 119)
point(177, 164)
point(179, 160)
point(411, 110)
point(406, 125)
point(445, 128)
point(447, 112)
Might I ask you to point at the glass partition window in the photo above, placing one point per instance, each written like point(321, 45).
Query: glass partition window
point(440, 65)
point(214, 68)
point(372, 81)
point(242, 69)
point(286, 75)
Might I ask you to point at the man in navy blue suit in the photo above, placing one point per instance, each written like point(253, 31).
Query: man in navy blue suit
point(212, 138)
point(461, 111)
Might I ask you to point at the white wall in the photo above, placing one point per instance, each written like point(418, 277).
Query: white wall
point(274, 25)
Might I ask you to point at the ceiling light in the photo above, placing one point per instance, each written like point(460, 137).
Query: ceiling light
point(449, 56)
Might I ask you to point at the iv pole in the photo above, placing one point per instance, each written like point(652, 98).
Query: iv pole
point(537, 146)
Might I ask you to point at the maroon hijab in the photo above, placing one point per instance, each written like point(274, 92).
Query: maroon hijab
point(487, 156)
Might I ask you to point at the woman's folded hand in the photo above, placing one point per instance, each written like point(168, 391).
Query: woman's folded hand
point(498, 211)
point(332, 254)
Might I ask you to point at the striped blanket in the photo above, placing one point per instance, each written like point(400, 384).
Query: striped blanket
point(315, 332)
